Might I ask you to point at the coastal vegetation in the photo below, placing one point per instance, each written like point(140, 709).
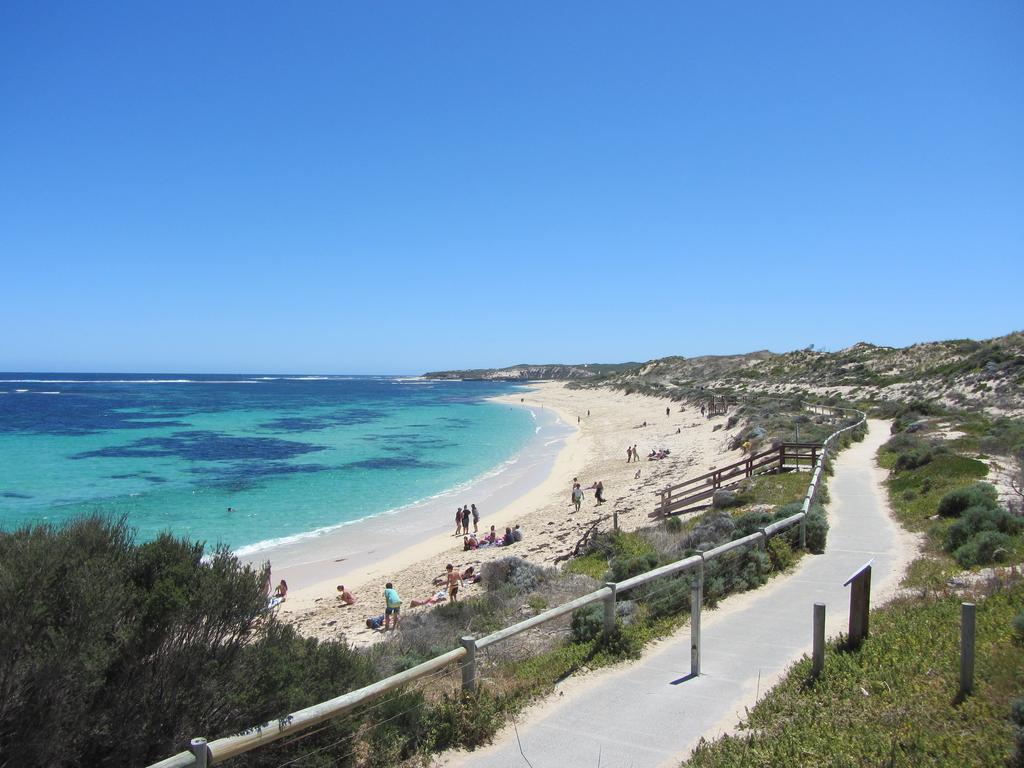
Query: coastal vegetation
point(979, 376)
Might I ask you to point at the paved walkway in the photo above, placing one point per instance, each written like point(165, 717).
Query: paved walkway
point(647, 713)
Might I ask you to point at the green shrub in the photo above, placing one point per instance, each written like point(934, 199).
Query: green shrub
point(987, 547)
point(624, 566)
point(780, 553)
point(465, 720)
point(107, 640)
point(979, 519)
point(915, 458)
point(1018, 631)
point(587, 623)
point(817, 529)
point(958, 500)
point(674, 525)
point(668, 598)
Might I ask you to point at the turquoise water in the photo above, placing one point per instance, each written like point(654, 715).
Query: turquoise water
point(288, 455)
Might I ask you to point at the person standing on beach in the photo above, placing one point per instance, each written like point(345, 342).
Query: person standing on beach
point(392, 606)
point(465, 519)
point(458, 521)
point(454, 580)
point(636, 453)
point(668, 411)
point(476, 518)
point(599, 492)
point(577, 496)
point(629, 454)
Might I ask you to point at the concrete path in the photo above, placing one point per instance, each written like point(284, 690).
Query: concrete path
point(648, 714)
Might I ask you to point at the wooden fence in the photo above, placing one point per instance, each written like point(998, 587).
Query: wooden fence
point(787, 456)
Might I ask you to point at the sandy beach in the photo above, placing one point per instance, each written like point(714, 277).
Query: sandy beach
point(596, 450)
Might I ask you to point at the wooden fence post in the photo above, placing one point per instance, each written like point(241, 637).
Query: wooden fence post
point(201, 751)
point(967, 626)
point(696, 598)
point(818, 654)
point(469, 664)
point(609, 611)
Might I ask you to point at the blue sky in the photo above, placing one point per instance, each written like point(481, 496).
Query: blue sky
point(395, 187)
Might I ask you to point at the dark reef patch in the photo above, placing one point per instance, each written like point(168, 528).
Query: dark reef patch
point(325, 421)
point(242, 476)
point(205, 446)
point(13, 495)
point(394, 462)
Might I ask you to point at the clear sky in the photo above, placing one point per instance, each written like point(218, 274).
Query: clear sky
point(342, 187)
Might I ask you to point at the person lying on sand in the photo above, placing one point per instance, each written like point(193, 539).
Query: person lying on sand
point(470, 576)
point(345, 596)
point(437, 597)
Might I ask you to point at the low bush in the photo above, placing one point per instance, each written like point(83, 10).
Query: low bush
point(587, 623)
point(780, 553)
point(669, 598)
point(985, 548)
point(627, 565)
point(1018, 628)
point(915, 458)
point(979, 519)
point(977, 494)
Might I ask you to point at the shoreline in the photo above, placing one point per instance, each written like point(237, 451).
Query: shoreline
point(355, 550)
point(604, 423)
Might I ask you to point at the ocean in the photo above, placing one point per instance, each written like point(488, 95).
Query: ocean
point(254, 462)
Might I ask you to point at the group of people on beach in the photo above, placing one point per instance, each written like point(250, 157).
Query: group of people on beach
point(492, 539)
point(450, 581)
point(462, 517)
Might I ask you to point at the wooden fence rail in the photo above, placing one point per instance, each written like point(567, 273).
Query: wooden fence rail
point(787, 456)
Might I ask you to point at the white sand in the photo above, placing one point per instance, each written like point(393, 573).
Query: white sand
point(596, 451)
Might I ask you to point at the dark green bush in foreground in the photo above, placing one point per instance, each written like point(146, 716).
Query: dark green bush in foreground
point(143, 646)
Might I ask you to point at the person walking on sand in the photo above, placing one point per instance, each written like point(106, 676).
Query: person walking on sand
point(577, 496)
point(636, 453)
point(668, 411)
point(465, 519)
point(454, 580)
point(476, 518)
point(392, 606)
point(598, 489)
point(458, 521)
point(629, 454)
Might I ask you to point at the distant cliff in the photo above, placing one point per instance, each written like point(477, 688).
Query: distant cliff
point(528, 372)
